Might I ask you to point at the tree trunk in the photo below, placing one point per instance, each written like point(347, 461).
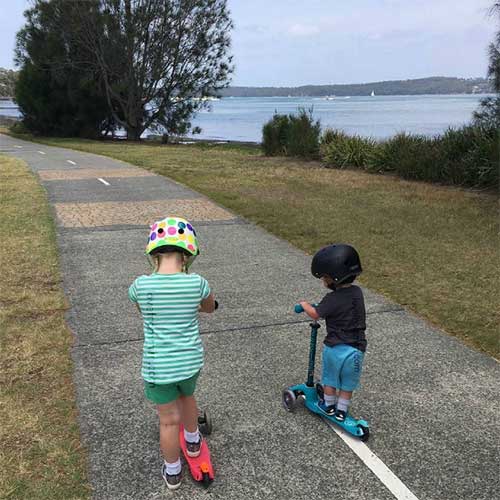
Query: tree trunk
point(134, 133)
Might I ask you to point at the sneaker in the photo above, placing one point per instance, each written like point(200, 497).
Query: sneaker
point(340, 415)
point(327, 410)
point(173, 481)
point(194, 449)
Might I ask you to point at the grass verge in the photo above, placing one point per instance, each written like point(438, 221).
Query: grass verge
point(40, 452)
point(433, 249)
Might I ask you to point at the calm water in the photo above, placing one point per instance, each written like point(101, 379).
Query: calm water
point(241, 118)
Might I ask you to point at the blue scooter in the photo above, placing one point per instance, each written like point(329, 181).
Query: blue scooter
point(311, 393)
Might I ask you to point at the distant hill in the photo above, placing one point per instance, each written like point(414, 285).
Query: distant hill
point(432, 85)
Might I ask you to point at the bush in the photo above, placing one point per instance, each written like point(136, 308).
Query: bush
point(468, 156)
point(274, 135)
point(471, 155)
point(19, 128)
point(343, 151)
point(292, 135)
point(303, 135)
point(411, 156)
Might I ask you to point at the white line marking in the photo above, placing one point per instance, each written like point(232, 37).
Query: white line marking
point(41, 152)
point(103, 181)
point(72, 162)
point(18, 147)
point(386, 476)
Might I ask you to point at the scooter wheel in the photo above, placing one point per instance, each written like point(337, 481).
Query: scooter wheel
point(205, 424)
point(289, 400)
point(205, 481)
point(366, 433)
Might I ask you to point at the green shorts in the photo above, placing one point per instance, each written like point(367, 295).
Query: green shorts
point(161, 394)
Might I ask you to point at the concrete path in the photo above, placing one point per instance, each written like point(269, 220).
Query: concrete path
point(432, 403)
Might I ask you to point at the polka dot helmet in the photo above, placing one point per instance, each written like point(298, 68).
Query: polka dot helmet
point(176, 232)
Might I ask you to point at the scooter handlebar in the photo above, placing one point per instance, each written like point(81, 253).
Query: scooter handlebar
point(299, 309)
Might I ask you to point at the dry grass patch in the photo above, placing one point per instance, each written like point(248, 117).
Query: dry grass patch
point(40, 451)
point(433, 249)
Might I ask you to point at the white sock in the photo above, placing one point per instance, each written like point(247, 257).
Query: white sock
point(343, 404)
point(175, 468)
point(192, 437)
point(330, 399)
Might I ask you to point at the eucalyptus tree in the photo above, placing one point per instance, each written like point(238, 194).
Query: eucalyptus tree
point(489, 111)
point(157, 59)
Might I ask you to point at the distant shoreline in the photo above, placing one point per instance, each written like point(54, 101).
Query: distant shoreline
point(436, 85)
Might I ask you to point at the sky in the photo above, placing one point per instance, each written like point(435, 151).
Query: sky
point(300, 42)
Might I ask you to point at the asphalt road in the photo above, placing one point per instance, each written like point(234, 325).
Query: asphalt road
point(432, 402)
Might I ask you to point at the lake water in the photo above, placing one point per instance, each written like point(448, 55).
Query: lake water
point(241, 118)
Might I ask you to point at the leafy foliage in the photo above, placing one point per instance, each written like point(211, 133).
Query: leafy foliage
point(274, 135)
point(344, 151)
point(137, 64)
point(489, 112)
point(292, 135)
point(467, 156)
point(156, 58)
point(55, 94)
point(8, 79)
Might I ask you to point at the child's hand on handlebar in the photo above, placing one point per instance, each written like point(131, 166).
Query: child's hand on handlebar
point(309, 309)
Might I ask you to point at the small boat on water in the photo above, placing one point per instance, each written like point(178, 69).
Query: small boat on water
point(329, 98)
point(373, 93)
point(206, 98)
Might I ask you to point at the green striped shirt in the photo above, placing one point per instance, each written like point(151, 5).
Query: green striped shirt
point(169, 305)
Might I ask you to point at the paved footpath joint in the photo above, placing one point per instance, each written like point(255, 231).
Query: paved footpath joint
point(91, 173)
point(134, 213)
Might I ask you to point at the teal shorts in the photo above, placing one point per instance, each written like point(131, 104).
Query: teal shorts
point(161, 394)
point(342, 365)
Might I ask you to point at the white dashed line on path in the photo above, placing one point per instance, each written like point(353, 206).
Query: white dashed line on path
point(72, 162)
point(103, 181)
point(18, 147)
point(41, 152)
point(385, 475)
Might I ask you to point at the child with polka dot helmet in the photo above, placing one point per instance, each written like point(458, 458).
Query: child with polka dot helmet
point(170, 300)
point(173, 234)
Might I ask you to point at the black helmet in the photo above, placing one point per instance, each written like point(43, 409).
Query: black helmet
point(338, 261)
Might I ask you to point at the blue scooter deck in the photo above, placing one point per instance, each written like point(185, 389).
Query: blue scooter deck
point(358, 428)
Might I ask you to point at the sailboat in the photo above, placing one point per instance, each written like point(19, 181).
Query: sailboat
point(373, 93)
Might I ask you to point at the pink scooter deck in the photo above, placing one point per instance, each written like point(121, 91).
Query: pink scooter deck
point(200, 467)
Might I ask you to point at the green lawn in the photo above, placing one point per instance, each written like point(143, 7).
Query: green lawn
point(40, 451)
point(433, 249)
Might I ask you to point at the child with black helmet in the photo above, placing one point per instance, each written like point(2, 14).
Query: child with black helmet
point(169, 300)
point(344, 312)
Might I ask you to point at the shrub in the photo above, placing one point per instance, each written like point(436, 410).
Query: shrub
point(343, 151)
point(274, 135)
point(468, 156)
point(332, 135)
point(471, 155)
point(303, 135)
point(19, 128)
point(411, 156)
point(292, 135)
